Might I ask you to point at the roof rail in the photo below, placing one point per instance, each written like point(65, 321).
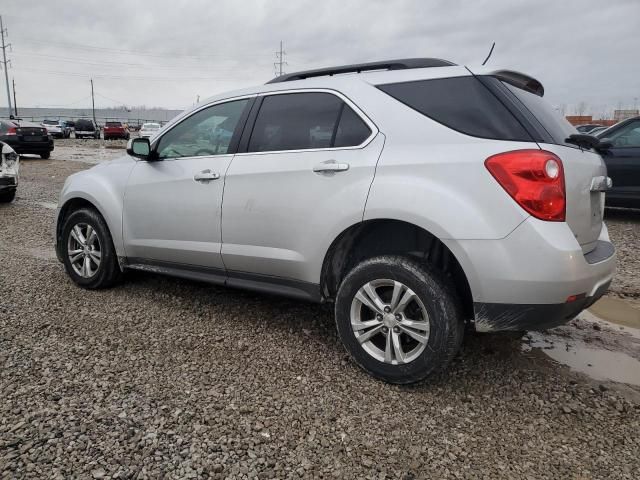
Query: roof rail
point(400, 64)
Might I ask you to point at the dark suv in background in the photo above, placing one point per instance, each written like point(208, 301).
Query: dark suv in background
point(86, 129)
point(26, 138)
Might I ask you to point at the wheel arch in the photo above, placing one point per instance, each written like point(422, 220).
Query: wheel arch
point(375, 237)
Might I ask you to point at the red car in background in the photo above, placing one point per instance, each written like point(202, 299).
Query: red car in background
point(115, 130)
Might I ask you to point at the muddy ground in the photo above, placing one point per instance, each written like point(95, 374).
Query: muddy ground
point(160, 377)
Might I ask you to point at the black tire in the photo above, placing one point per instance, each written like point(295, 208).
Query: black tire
point(108, 272)
point(78, 137)
point(45, 156)
point(7, 197)
point(439, 299)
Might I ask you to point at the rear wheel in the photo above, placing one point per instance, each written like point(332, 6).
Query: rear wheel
point(7, 197)
point(45, 156)
point(87, 250)
point(400, 321)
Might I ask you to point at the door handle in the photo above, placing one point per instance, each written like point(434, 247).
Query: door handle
point(205, 176)
point(331, 166)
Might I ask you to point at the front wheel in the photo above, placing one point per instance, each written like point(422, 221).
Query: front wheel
point(87, 250)
point(45, 156)
point(7, 196)
point(400, 321)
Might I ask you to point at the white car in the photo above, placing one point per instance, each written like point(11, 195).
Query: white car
point(54, 128)
point(9, 166)
point(149, 129)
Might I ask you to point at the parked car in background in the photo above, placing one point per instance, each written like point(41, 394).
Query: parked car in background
point(149, 129)
point(85, 128)
point(54, 127)
point(622, 157)
point(444, 199)
point(26, 137)
point(9, 167)
point(587, 128)
point(597, 130)
point(113, 130)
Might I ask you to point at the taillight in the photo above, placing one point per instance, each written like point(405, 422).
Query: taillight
point(12, 131)
point(534, 179)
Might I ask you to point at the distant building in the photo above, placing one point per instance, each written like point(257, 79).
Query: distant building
point(576, 120)
point(619, 115)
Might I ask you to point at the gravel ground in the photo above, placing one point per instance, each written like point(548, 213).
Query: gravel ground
point(161, 377)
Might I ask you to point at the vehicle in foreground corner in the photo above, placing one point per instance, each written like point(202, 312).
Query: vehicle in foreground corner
point(26, 138)
point(85, 128)
point(9, 169)
point(148, 130)
point(385, 191)
point(622, 157)
point(115, 130)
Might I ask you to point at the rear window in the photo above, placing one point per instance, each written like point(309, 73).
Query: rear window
point(113, 124)
point(84, 125)
point(463, 104)
point(550, 119)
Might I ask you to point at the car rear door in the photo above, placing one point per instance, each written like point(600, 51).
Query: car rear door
point(304, 176)
point(172, 206)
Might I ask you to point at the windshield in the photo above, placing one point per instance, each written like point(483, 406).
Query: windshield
point(50, 122)
point(151, 126)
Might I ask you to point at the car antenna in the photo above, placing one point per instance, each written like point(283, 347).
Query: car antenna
point(490, 52)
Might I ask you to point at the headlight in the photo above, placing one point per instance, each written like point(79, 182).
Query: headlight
point(10, 158)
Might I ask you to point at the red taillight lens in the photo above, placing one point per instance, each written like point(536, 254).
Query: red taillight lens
point(534, 179)
point(12, 131)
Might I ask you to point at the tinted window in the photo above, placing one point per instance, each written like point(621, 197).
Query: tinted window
point(84, 125)
point(113, 124)
point(352, 130)
point(555, 124)
point(296, 121)
point(463, 104)
point(207, 132)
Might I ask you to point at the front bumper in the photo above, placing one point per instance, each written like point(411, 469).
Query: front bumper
point(8, 183)
point(527, 279)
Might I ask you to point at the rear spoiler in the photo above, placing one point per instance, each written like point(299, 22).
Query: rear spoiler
point(519, 80)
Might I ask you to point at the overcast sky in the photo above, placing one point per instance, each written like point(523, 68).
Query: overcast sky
point(166, 52)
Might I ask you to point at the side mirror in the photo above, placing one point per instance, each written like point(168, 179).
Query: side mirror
point(140, 148)
point(604, 145)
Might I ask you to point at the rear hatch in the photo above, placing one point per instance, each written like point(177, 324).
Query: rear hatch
point(582, 168)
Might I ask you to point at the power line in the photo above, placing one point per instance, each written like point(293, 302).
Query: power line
point(5, 62)
point(135, 52)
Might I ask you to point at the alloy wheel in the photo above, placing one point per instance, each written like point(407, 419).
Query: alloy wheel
point(84, 250)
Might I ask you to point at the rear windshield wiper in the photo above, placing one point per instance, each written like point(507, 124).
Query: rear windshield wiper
point(586, 141)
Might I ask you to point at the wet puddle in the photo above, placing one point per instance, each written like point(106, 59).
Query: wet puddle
point(603, 343)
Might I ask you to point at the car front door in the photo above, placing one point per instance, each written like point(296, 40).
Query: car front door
point(172, 205)
point(623, 163)
point(304, 177)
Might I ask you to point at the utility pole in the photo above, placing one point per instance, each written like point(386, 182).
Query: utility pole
point(5, 63)
point(93, 103)
point(15, 103)
point(280, 63)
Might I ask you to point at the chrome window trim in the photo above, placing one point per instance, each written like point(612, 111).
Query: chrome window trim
point(372, 126)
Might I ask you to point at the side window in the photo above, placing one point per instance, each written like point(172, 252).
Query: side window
point(302, 121)
point(461, 103)
point(352, 130)
point(207, 132)
point(627, 136)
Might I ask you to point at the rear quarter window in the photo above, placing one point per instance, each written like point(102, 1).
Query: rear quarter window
point(463, 104)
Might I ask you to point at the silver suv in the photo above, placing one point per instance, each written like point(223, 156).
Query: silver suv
point(418, 196)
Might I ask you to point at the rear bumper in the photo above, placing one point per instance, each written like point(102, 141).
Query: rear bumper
point(523, 281)
point(494, 317)
point(23, 148)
